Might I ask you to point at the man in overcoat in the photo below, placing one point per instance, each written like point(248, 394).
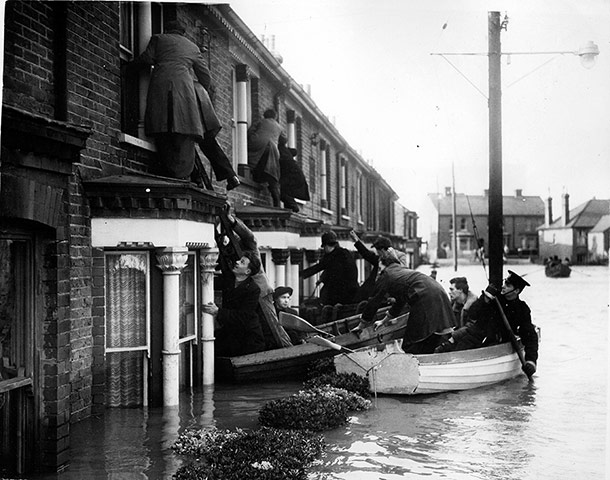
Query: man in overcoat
point(340, 273)
point(178, 107)
point(430, 316)
point(264, 155)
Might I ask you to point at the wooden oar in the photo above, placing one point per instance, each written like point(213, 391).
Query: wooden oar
point(289, 320)
point(323, 342)
point(511, 334)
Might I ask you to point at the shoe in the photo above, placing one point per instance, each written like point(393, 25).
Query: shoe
point(232, 183)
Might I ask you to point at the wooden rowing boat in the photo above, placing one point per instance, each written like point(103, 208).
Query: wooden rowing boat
point(292, 362)
point(391, 371)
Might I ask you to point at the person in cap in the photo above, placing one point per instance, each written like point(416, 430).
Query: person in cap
point(483, 328)
point(384, 248)
point(339, 272)
point(519, 317)
point(430, 314)
point(281, 300)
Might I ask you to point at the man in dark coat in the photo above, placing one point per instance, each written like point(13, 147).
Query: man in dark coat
point(178, 108)
point(520, 319)
point(264, 155)
point(340, 273)
point(239, 330)
point(292, 179)
point(367, 289)
point(430, 316)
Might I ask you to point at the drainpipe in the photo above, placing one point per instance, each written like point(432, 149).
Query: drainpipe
point(144, 34)
point(171, 262)
point(208, 261)
point(241, 77)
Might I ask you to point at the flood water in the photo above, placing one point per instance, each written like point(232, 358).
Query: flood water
point(554, 427)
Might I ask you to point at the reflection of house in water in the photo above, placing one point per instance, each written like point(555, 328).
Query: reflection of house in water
point(522, 214)
point(103, 264)
point(580, 234)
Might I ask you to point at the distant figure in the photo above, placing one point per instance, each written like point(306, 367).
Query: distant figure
point(292, 180)
point(340, 273)
point(461, 299)
point(430, 316)
point(239, 330)
point(178, 108)
point(433, 273)
point(264, 155)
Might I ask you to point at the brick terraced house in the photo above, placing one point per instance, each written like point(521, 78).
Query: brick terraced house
point(104, 263)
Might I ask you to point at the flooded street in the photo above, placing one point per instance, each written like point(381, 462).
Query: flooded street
point(553, 427)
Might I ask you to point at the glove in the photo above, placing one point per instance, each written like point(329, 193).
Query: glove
point(380, 323)
point(529, 368)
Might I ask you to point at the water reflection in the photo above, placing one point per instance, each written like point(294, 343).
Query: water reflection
point(553, 427)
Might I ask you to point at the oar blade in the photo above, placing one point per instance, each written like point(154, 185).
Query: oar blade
point(289, 320)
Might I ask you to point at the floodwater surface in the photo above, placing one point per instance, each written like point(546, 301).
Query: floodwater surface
point(554, 427)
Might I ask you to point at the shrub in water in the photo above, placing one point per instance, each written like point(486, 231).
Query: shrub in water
point(351, 382)
point(316, 409)
point(319, 367)
point(265, 454)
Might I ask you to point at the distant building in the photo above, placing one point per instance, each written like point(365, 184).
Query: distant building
point(599, 241)
point(522, 215)
point(569, 235)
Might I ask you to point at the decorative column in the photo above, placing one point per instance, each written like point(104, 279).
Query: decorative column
point(144, 33)
point(296, 259)
point(280, 258)
point(323, 177)
point(241, 77)
point(291, 129)
point(312, 257)
point(171, 262)
point(209, 257)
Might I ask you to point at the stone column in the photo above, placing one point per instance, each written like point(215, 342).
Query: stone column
point(171, 262)
point(296, 259)
point(291, 129)
point(208, 259)
point(144, 35)
point(312, 257)
point(280, 257)
point(241, 77)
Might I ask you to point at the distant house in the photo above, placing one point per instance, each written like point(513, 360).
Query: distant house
point(599, 241)
point(569, 235)
point(522, 215)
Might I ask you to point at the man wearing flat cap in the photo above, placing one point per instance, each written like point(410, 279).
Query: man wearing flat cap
point(384, 248)
point(520, 318)
point(340, 273)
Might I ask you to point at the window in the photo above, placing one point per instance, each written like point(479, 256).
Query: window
point(462, 224)
point(245, 92)
point(127, 328)
point(360, 196)
point(343, 192)
point(135, 32)
point(16, 342)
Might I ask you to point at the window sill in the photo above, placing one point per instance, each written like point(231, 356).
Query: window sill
point(346, 217)
point(327, 211)
point(137, 142)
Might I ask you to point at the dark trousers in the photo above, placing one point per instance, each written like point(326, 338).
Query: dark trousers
point(218, 159)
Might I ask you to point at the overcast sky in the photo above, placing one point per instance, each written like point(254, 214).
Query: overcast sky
point(412, 114)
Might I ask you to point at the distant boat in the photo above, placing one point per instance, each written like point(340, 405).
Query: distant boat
point(557, 270)
point(392, 371)
point(293, 362)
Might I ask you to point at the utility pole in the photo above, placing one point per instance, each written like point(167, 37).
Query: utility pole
point(495, 218)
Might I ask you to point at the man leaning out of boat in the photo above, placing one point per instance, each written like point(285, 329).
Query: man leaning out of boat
point(430, 314)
